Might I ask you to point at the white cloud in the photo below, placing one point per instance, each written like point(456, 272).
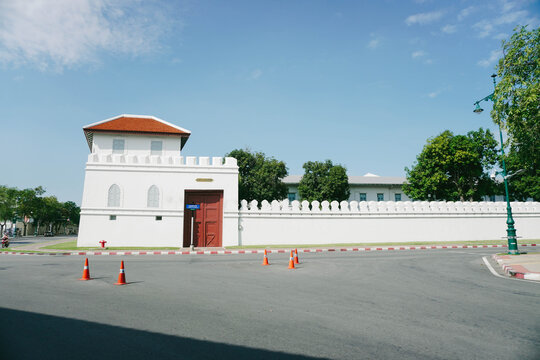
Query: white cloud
point(68, 33)
point(493, 56)
point(449, 29)
point(484, 27)
point(439, 91)
point(520, 17)
point(466, 12)
point(512, 17)
point(509, 5)
point(418, 54)
point(501, 36)
point(256, 74)
point(424, 18)
point(375, 41)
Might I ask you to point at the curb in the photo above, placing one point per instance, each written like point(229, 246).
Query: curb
point(510, 271)
point(259, 251)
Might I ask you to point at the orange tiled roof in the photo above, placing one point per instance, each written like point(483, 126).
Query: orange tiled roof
point(136, 124)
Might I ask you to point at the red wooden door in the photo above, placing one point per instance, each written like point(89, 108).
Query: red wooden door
point(207, 223)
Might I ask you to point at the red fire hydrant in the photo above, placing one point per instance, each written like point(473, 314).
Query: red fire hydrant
point(102, 242)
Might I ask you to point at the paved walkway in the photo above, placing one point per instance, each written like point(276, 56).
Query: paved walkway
point(38, 246)
point(524, 266)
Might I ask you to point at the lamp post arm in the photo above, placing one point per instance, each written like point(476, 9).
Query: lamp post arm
point(517, 172)
point(489, 97)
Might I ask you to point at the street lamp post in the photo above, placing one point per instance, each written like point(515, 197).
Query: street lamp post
point(510, 230)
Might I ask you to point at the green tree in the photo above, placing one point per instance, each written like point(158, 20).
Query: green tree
point(517, 109)
point(50, 213)
point(28, 204)
point(8, 205)
point(453, 167)
point(71, 212)
point(260, 177)
point(324, 181)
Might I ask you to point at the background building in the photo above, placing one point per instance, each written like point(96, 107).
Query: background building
point(369, 187)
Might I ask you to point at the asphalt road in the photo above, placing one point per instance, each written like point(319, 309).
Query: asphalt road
point(432, 304)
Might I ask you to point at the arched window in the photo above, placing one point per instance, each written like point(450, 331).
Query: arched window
point(153, 197)
point(114, 196)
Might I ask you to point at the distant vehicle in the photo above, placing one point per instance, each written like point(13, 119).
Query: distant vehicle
point(5, 241)
point(48, 233)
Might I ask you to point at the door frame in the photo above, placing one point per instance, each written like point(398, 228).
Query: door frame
point(187, 232)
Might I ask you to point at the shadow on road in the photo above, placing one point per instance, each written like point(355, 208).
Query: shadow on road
point(29, 335)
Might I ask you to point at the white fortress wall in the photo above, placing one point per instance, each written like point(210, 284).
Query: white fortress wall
point(136, 223)
point(374, 222)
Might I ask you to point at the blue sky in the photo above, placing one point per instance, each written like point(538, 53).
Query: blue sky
point(363, 83)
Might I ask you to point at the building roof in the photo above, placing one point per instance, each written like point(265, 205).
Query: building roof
point(135, 124)
point(368, 179)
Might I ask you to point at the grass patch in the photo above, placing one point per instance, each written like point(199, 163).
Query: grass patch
point(72, 245)
point(413, 243)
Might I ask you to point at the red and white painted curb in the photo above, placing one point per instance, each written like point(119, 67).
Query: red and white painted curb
point(511, 270)
point(261, 251)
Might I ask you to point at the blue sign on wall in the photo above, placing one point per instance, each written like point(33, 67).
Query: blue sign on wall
point(193, 206)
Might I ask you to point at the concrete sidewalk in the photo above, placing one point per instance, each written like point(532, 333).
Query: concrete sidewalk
point(524, 266)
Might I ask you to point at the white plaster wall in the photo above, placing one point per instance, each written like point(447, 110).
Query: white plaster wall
point(131, 229)
point(378, 222)
point(135, 144)
point(135, 223)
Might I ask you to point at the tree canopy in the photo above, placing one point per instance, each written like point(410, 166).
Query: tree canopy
point(8, 205)
point(324, 181)
point(453, 167)
point(29, 203)
point(259, 177)
point(517, 109)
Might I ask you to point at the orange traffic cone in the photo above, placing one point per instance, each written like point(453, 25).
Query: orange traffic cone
point(86, 271)
point(121, 275)
point(296, 257)
point(291, 262)
point(265, 261)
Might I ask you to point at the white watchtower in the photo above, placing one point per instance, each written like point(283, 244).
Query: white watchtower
point(137, 185)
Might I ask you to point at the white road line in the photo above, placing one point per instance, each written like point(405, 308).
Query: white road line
point(492, 270)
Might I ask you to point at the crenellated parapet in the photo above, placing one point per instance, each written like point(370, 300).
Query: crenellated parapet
point(161, 161)
point(296, 207)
